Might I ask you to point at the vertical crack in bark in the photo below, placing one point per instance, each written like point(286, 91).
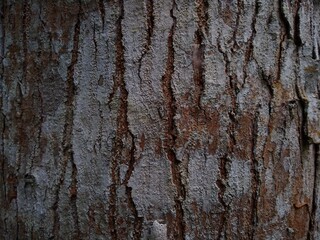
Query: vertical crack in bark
point(234, 35)
point(202, 7)
point(198, 53)
point(102, 12)
point(224, 161)
point(249, 51)
point(3, 158)
point(138, 221)
point(254, 128)
point(267, 80)
point(67, 146)
point(37, 153)
point(18, 221)
point(233, 94)
point(240, 6)
point(121, 125)
point(221, 183)
point(25, 20)
point(315, 30)
point(150, 23)
point(113, 92)
point(296, 24)
point(198, 67)
point(150, 29)
point(67, 141)
point(284, 34)
point(3, 161)
point(170, 134)
point(22, 83)
point(285, 25)
point(95, 42)
point(39, 124)
point(303, 135)
point(314, 208)
point(99, 137)
point(302, 103)
point(122, 132)
point(18, 119)
point(132, 159)
point(255, 176)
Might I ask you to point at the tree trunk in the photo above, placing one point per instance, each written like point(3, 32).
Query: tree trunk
point(158, 119)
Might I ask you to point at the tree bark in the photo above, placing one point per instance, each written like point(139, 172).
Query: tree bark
point(160, 119)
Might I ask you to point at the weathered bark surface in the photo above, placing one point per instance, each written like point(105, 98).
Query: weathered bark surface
point(155, 119)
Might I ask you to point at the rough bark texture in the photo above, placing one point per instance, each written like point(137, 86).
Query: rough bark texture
point(160, 119)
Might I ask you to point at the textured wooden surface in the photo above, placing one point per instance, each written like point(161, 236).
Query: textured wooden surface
point(158, 119)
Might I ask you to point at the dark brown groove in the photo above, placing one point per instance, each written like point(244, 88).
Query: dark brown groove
point(267, 81)
point(132, 159)
point(255, 176)
point(284, 34)
point(285, 25)
point(3, 34)
point(170, 132)
point(99, 137)
point(102, 12)
point(121, 132)
point(67, 138)
point(23, 81)
point(224, 160)
point(233, 94)
point(221, 184)
point(239, 14)
point(95, 44)
point(150, 29)
point(296, 24)
point(303, 135)
point(314, 208)
point(3, 161)
point(2, 50)
point(18, 117)
point(250, 47)
point(113, 92)
point(198, 67)
point(121, 126)
point(150, 22)
point(138, 221)
point(255, 163)
point(67, 141)
point(2, 157)
point(202, 7)
point(303, 106)
point(40, 122)
point(314, 27)
point(25, 20)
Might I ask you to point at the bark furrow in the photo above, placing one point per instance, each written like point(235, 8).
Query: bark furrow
point(170, 134)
